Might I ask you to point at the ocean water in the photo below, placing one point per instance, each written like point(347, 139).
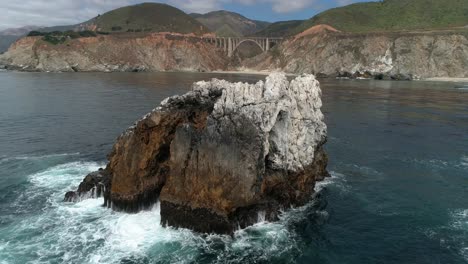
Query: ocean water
point(398, 192)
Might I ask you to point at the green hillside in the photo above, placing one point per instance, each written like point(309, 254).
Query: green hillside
point(393, 15)
point(279, 29)
point(147, 17)
point(230, 24)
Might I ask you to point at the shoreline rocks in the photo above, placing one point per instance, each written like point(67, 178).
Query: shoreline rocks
point(222, 154)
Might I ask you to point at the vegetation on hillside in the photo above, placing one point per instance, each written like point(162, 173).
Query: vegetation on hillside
point(279, 29)
point(230, 24)
point(146, 17)
point(58, 37)
point(393, 15)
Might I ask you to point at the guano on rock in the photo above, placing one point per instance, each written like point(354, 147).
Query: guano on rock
point(220, 154)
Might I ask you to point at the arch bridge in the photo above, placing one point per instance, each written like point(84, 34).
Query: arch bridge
point(230, 44)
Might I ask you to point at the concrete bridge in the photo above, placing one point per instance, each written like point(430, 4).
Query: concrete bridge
point(230, 44)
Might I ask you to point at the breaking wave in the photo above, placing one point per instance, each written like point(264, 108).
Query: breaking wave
point(87, 232)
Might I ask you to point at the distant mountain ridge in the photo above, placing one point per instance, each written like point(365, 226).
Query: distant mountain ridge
point(147, 17)
point(279, 29)
point(21, 31)
point(230, 24)
point(10, 35)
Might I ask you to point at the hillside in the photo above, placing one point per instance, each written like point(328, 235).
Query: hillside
point(229, 24)
point(393, 15)
point(279, 29)
point(146, 17)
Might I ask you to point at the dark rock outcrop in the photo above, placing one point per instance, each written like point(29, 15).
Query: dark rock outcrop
point(221, 154)
point(94, 185)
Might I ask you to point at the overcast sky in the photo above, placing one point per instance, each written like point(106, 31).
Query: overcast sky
point(63, 12)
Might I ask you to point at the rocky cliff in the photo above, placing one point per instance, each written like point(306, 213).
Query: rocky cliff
point(219, 155)
point(118, 52)
point(319, 51)
point(381, 55)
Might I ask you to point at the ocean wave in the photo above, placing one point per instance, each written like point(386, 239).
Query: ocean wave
point(337, 180)
point(87, 232)
point(460, 226)
point(464, 161)
point(460, 219)
point(63, 175)
point(5, 159)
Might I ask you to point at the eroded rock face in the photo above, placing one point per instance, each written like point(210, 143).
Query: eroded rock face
point(220, 154)
point(387, 55)
point(111, 53)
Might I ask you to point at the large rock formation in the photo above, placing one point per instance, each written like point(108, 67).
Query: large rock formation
point(109, 53)
point(381, 55)
point(221, 154)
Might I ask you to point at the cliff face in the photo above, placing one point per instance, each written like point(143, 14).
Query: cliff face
point(430, 54)
point(320, 51)
point(123, 52)
point(218, 156)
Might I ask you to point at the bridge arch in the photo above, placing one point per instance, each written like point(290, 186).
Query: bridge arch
point(248, 40)
point(231, 44)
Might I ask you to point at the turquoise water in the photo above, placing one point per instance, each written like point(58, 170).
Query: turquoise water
point(398, 156)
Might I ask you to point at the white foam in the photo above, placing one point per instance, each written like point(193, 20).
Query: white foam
point(460, 219)
point(464, 161)
point(87, 232)
point(4, 159)
point(63, 175)
point(337, 179)
point(460, 224)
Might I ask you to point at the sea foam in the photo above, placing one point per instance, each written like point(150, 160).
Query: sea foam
point(87, 232)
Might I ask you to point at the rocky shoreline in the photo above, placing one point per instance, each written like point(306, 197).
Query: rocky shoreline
point(220, 155)
point(384, 56)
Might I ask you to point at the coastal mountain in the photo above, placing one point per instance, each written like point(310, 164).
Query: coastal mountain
point(18, 32)
point(393, 15)
point(146, 17)
point(279, 29)
point(10, 35)
point(6, 41)
point(229, 24)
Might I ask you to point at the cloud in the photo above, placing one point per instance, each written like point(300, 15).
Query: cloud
point(280, 6)
point(57, 12)
point(197, 6)
point(344, 2)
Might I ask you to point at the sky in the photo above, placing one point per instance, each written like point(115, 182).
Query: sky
point(65, 12)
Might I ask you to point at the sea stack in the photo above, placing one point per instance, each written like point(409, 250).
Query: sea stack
point(220, 155)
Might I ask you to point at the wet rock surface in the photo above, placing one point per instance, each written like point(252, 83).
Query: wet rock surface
point(222, 154)
point(94, 185)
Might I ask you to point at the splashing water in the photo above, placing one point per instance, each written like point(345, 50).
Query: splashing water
point(87, 232)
